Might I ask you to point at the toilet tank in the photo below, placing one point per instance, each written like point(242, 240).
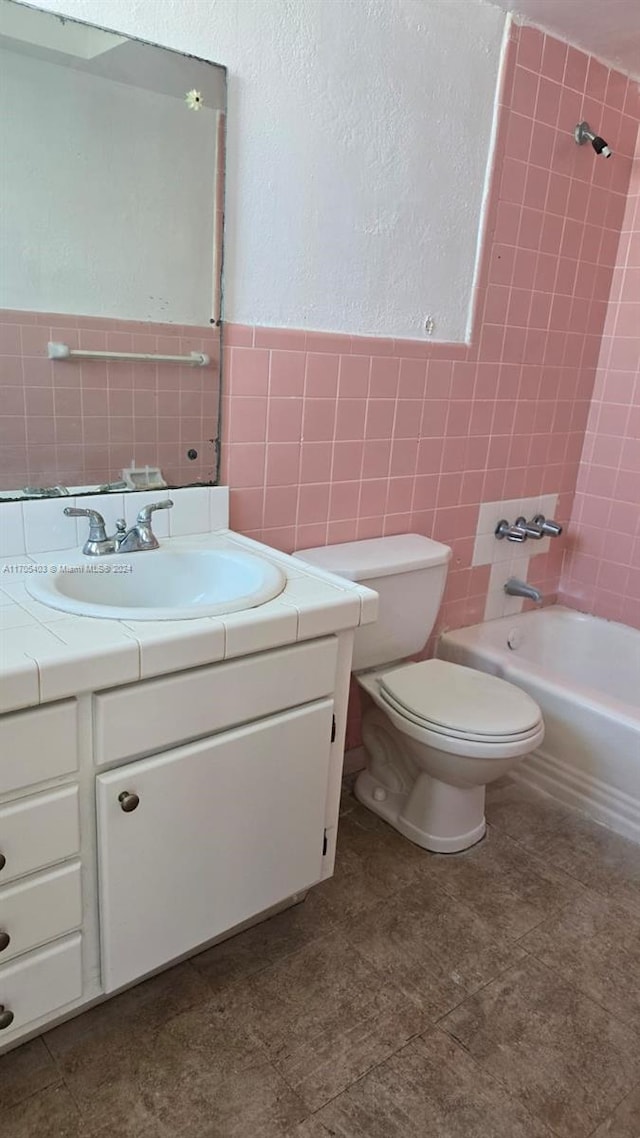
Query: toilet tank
point(408, 572)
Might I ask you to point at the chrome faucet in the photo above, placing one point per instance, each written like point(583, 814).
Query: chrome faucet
point(514, 587)
point(537, 528)
point(97, 542)
point(532, 528)
point(141, 536)
point(547, 525)
point(137, 539)
point(512, 533)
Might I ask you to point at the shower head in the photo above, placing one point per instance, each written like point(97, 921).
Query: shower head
point(583, 133)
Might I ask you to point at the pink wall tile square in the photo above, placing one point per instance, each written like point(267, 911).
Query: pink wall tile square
point(318, 422)
point(284, 422)
point(384, 378)
point(322, 375)
point(315, 461)
point(313, 503)
point(282, 464)
point(279, 505)
point(286, 374)
point(347, 461)
point(373, 497)
point(354, 376)
point(344, 500)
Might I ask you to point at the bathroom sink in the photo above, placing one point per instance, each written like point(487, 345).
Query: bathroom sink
point(162, 584)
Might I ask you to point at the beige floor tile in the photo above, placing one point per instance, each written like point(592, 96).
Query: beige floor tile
point(562, 1055)
point(311, 1128)
point(434, 948)
point(324, 1016)
point(200, 1074)
point(624, 1122)
point(504, 884)
point(595, 944)
point(102, 1043)
point(525, 814)
point(25, 1071)
point(51, 1113)
point(597, 857)
point(249, 952)
point(318, 1070)
point(371, 864)
point(430, 1089)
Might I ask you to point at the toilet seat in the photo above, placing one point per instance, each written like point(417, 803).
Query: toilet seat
point(459, 703)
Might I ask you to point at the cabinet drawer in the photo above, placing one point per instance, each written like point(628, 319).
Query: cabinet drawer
point(38, 744)
point(38, 831)
point(40, 983)
point(40, 909)
point(148, 717)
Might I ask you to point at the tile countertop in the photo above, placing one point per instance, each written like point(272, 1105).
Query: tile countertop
point(46, 654)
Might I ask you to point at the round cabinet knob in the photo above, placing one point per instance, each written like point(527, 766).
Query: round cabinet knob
point(128, 801)
point(3, 861)
point(5, 940)
point(6, 1017)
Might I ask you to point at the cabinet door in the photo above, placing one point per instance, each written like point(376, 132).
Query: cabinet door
point(224, 828)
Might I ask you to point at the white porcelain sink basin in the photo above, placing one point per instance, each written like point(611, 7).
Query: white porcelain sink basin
point(163, 584)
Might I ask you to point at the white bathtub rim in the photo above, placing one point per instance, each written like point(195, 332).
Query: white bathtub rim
point(598, 800)
point(520, 667)
point(589, 697)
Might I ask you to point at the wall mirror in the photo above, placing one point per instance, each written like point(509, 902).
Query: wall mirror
point(111, 220)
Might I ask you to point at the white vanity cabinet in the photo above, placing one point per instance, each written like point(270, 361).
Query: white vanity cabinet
point(140, 823)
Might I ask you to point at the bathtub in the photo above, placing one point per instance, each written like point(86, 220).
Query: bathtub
point(585, 675)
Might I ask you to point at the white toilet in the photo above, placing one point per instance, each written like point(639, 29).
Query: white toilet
point(439, 732)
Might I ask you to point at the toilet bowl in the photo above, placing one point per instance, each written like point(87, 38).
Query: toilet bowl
point(435, 738)
point(437, 732)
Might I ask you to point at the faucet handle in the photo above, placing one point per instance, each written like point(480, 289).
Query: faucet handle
point(97, 531)
point(144, 516)
point(532, 529)
point(547, 525)
point(512, 533)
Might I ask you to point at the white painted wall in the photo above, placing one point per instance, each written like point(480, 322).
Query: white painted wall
point(358, 143)
point(106, 196)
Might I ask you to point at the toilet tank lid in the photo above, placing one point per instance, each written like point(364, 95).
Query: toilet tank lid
point(378, 556)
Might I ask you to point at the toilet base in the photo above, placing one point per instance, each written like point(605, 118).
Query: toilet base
point(438, 817)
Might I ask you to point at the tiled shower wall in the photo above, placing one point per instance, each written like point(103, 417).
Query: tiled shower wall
point(602, 570)
point(330, 438)
point(77, 422)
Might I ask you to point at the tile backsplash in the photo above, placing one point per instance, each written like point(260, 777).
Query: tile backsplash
point(39, 525)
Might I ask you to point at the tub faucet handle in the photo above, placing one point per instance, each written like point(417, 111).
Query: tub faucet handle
point(512, 533)
point(532, 529)
point(547, 525)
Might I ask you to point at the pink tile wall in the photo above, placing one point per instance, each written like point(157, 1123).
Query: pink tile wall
point(330, 437)
point(75, 422)
point(602, 569)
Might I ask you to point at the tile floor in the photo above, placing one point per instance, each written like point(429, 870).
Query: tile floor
point(494, 993)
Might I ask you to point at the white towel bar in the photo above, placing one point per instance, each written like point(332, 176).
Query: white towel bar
point(64, 352)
